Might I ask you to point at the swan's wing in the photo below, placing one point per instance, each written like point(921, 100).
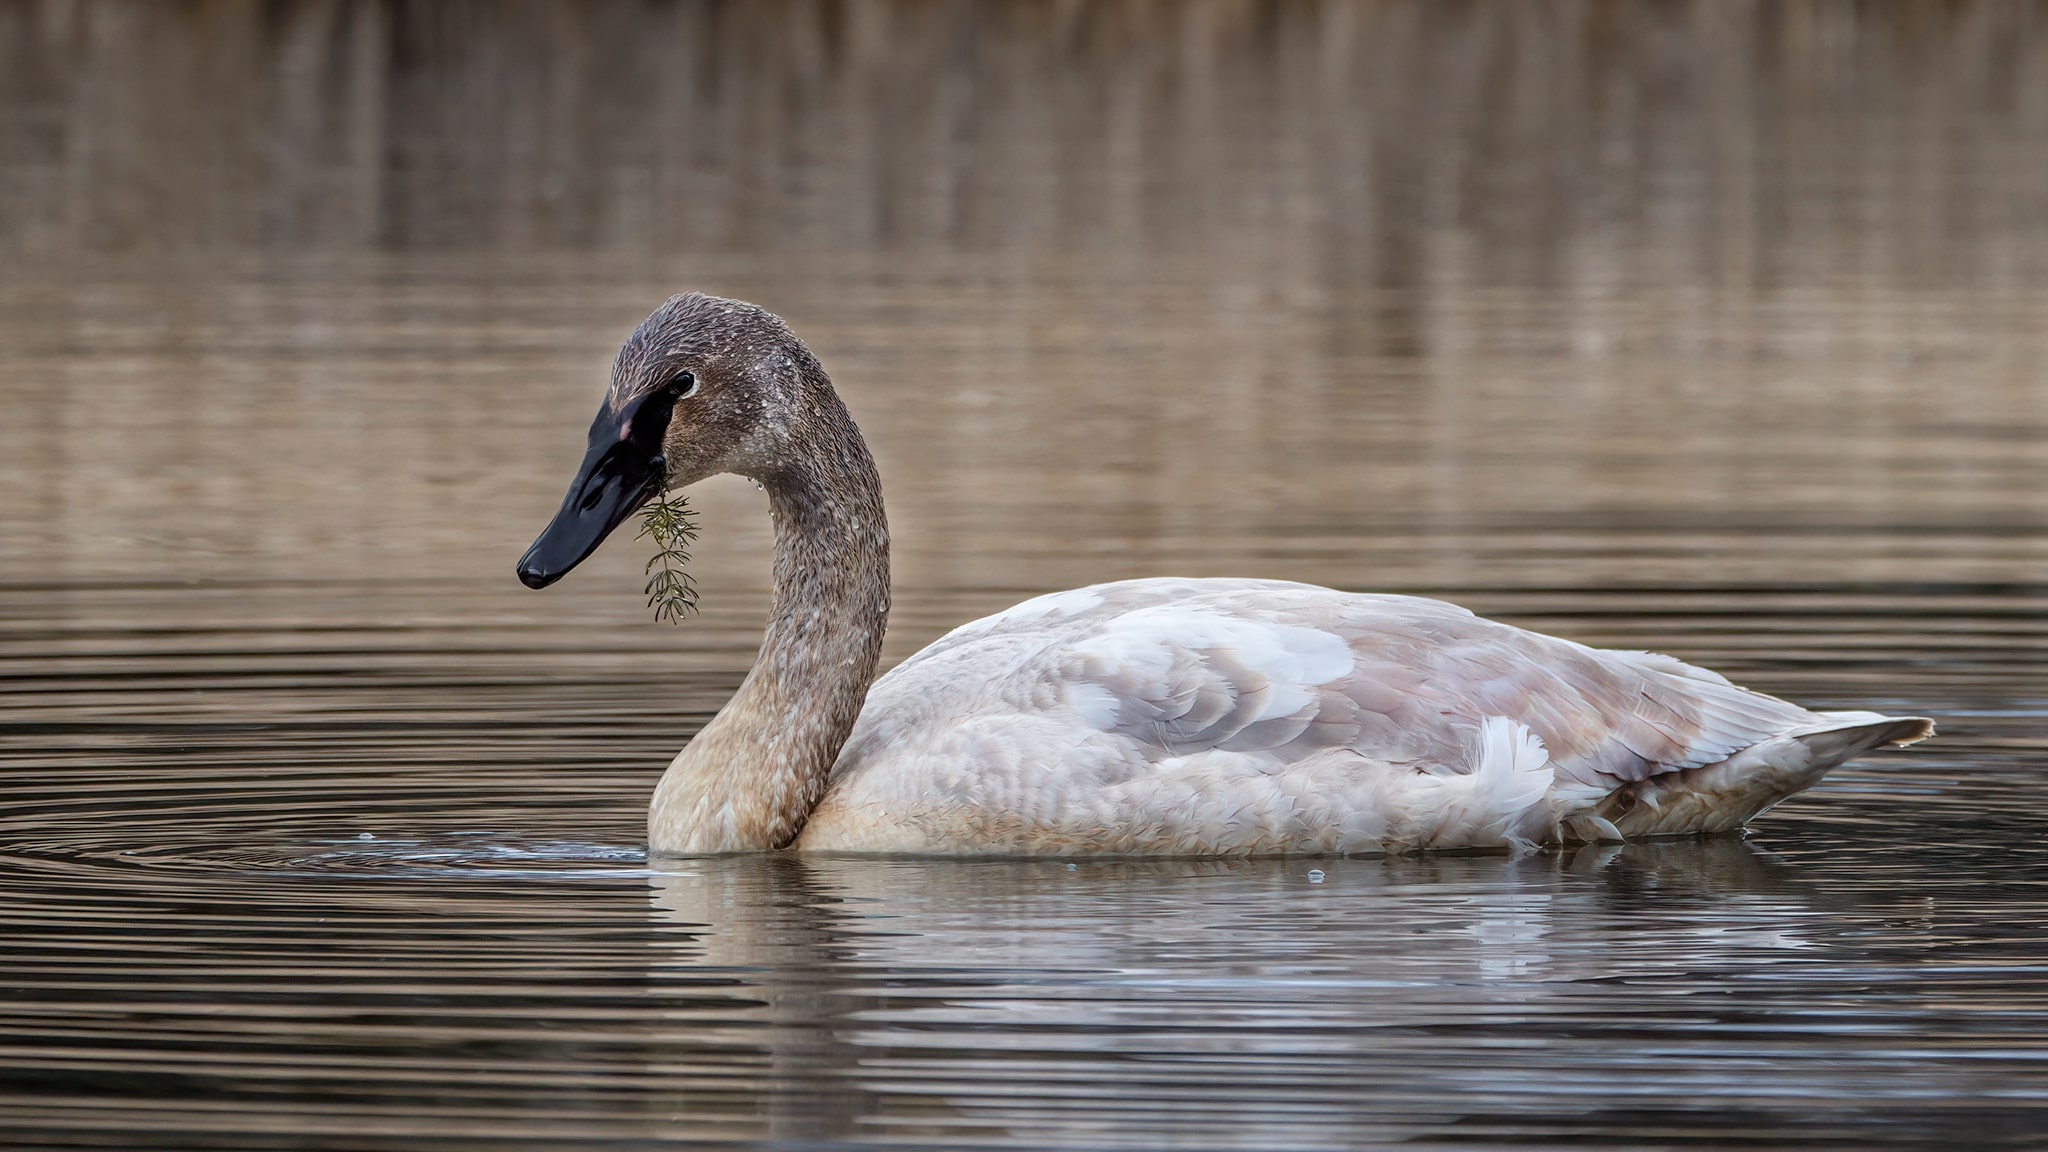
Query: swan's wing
point(1291, 672)
point(1181, 666)
point(1250, 686)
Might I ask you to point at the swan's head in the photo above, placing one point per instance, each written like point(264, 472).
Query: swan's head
point(702, 386)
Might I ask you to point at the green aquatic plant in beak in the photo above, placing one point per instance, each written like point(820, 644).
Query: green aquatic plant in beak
point(671, 591)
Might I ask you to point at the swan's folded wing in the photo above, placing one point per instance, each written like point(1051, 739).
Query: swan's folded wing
point(1287, 671)
point(1414, 679)
point(1607, 718)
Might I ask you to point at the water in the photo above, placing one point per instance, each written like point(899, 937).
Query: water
point(1705, 329)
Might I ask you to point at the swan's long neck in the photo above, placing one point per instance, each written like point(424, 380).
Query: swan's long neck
point(749, 780)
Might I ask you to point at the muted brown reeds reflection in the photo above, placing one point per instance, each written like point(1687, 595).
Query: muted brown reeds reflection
point(396, 418)
point(1707, 327)
point(1602, 145)
point(1195, 285)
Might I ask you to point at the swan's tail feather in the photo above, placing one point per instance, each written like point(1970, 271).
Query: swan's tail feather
point(1847, 735)
point(1729, 793)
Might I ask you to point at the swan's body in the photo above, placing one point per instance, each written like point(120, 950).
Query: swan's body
point(1151, 716)
point(1201, 717)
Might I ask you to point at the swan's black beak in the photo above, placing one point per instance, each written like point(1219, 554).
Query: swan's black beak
point(621, 472)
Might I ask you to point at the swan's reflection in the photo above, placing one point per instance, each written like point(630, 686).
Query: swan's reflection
point(1034, 996)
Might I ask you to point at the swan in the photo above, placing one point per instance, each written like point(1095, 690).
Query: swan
point(1158, 716)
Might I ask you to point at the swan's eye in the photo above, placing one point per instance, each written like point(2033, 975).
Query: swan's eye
point(684, 384)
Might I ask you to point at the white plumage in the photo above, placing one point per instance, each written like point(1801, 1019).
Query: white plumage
point(1207, 717)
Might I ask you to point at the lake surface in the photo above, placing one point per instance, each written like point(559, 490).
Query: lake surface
point(1709, 329)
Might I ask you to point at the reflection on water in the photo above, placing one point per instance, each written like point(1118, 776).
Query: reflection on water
point(1706, 328)
point(503, 991)
point(1263, 1007)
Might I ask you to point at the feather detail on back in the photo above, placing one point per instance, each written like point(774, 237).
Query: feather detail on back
point(1236, 716)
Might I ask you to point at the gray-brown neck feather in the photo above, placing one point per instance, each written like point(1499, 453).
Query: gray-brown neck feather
point(749, 780)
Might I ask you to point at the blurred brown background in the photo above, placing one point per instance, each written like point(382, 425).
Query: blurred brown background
point(1411, 294)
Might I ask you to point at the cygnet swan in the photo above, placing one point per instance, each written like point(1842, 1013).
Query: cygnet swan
point(1163, 716)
